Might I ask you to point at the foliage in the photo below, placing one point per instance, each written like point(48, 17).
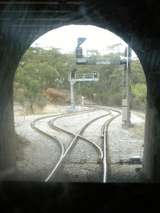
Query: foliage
point(40, 69)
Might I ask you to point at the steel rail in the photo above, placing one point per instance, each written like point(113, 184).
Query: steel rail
point(72, 144)
point(59, 115)
point(105, 129)
point(60, 144)
point(52, 125)
point(78, 136)
point(104, 135)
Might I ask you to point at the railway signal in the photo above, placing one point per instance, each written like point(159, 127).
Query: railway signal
point(126, 61)
point(79, 51)
point(81, 59)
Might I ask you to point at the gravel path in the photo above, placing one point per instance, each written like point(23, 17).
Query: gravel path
point(38, 154)
point(124, 144)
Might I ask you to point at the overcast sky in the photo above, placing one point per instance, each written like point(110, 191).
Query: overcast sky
point(65, 38)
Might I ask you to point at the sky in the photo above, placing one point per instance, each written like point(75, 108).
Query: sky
point(65, 39)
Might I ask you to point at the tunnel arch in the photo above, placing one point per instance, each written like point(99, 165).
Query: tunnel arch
point(138, 29)
point(65, 26)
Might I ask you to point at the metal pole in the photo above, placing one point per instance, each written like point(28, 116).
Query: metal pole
point(72, 94)
point(126, 90)
point(124, 98)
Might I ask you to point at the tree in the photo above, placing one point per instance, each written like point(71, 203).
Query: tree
point(41, 69)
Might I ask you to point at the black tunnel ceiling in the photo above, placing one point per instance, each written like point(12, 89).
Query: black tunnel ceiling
point(135, 21)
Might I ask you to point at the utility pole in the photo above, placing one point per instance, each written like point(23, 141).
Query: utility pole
point(72, 95)
point(72, 82)
point(126, 100)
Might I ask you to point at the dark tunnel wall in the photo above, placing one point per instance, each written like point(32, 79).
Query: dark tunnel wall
point(137, 22)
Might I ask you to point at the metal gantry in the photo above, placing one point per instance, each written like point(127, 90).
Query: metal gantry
point(79, 77)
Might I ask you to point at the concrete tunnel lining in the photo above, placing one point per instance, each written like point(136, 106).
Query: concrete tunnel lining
point(18, 37)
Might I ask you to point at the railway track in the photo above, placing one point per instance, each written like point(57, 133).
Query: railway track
point(75, 137)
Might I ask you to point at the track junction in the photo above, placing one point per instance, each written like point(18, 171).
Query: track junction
point(102, 118)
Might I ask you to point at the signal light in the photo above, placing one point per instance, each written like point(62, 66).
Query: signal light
point(79, 52)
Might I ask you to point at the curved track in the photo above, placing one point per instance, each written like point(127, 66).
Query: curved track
point(105, 129)
point(75, 137)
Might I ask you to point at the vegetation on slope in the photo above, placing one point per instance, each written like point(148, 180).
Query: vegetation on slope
point(41, 69)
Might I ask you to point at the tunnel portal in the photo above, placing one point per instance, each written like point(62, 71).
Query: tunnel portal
point(137, 22)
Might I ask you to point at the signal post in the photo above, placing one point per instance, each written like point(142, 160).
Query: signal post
point(126, 61)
